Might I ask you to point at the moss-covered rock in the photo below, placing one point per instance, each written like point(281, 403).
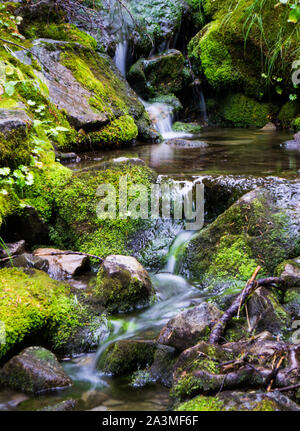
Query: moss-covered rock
point(296, 124)
point(261, 228)
point(288, 113)
point(125, 356)
point(160, 74)
point(32, 305)
point(75, 223)
point(238, 110)
point(34, 370)
point(243, 45)
point(122, 284)
point(257, 401)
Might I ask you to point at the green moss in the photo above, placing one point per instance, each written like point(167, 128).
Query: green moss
point(64, 31)
point(296, 124)
point(33, 304)
point(75, 219)
point(249, 46)
point(125, 356)
point(15, 148)
point(246, 235)
point(288, 113)
point(94, 73)
point(120, 131)
point(233, 258)
point(48, 184)
point(202, 404)
point(219, 403)
point(120, 293)
point(241, 111)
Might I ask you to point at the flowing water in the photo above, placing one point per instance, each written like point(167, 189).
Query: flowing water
point(92, 388)
point(161, 116)
point(121, 56)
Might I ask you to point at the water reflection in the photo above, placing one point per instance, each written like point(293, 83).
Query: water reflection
point(229, 151)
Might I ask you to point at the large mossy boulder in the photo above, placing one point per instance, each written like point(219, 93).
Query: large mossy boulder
point(261, 228)
point(189, 327)
point(160, 74)
point(125, 356)
point(34, 370)
point(87, 86)
point(238, 110)
point(72, 208)
point(240, 47)
point(122, 284)
point(34, 305)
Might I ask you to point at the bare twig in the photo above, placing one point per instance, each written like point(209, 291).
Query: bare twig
point(232, 310)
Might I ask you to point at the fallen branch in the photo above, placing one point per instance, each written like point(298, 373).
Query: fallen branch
point(57, 253)
point(237, 303)
point(68, 252)
point(288, 388)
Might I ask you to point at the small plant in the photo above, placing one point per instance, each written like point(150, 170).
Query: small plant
point(18, 179)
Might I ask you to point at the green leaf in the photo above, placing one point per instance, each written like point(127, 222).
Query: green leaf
point(294, 15)
point(10, 88)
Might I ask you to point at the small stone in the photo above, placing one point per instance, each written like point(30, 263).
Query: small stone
point(269, 127)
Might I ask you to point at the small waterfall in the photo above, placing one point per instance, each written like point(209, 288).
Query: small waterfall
point(199, 99)
point(161, 116)
point(176, 250)
point(121, 56)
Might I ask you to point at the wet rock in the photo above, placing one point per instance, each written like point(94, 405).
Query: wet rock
point(123, 284)
point(125, 356)
point(290, 272)
point(135, 161)
point(266, 313)
point(27, 225)
point(162, 368)
point(187, 328)
point(64, 90)
point(240, 401)
point(64, 406)
point(297, 137)
point(12, 249)
point(68, 157)
point(86, 338)
point(292, 302)
point(184, 143)
point(34, 370)
point(93, 398)
point(13, 119)
point(62, 266)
